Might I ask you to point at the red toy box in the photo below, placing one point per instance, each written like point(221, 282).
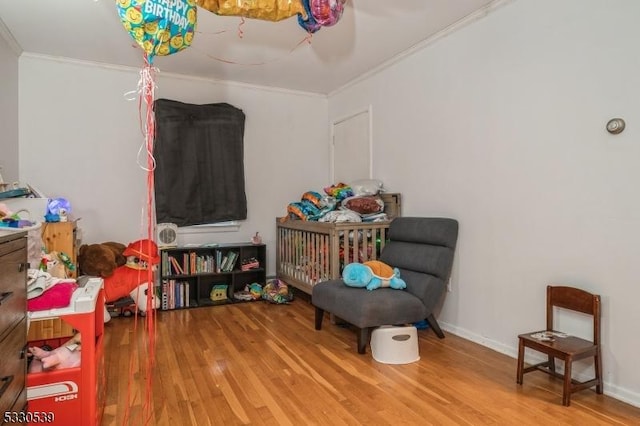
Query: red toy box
point(72, 396)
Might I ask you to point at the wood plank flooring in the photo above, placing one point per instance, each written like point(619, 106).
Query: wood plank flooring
point(263, 364)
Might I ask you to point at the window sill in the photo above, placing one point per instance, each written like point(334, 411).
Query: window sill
point(230, 226)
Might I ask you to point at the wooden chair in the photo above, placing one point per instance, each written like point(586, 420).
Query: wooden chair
point(556, 344)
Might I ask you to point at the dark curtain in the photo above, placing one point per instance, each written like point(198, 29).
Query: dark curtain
point(199, 175)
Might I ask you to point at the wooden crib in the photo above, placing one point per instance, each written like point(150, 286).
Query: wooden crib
point(309, 252)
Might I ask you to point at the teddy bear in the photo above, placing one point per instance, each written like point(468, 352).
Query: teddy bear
point(372, 275)
point(101, 260)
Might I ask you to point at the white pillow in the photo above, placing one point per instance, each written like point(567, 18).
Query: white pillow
point(366, 187)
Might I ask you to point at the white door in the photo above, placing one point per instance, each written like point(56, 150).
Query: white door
point(351, 149)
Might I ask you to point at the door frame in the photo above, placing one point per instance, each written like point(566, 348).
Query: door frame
point(369, 111)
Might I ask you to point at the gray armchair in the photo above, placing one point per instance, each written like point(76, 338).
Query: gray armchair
point(423, 249)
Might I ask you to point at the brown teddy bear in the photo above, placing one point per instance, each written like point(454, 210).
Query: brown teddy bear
point(101, 260)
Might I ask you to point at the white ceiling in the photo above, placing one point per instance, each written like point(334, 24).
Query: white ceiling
point(370, 33)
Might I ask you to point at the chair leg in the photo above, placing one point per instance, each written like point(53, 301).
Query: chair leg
point(566, 389)
point(598, 370)
point(435, 326)
point(363, 339)
point(520, 371)
point(319, 317)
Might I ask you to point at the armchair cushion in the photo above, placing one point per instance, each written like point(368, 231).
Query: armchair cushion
point(364, 308)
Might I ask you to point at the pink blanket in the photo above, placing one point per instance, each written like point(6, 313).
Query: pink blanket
point(57, 296)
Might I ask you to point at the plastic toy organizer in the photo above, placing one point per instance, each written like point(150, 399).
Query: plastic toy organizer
point(75, 396)
point(310, 252)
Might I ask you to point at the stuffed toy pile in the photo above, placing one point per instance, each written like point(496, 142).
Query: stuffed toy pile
point(123, 268)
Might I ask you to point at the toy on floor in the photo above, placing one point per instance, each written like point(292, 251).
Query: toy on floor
point(125, 271)
point(123, 307)
point(277, 291)
point(132, 279)
point(66, 356)
point(372, 275)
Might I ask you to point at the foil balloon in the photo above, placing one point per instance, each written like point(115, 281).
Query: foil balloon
point(308, 22)
point(160, 27)
point(327, 12)
point(268, 10)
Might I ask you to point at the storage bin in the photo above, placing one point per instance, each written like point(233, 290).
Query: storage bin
point(395, 345)
point(74, 396)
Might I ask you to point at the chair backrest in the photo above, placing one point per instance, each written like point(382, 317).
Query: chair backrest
point(422, 248)
point(574, 299)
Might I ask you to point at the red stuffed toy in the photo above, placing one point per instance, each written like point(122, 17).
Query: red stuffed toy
point(132, 278)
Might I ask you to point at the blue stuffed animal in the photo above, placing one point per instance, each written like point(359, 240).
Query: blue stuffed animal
point(372, 275)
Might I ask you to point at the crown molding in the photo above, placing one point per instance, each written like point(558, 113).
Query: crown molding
point(8, 37)
point(461, 23)
point(126, 68)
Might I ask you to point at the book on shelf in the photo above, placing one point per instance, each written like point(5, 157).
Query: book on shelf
point(164, 265)
point(232, 258)
point(185, 263)
point(218, 261)
point(177, 269)
point(175, 294)
point(192, 263)
point(236, 255)
point(165, 296)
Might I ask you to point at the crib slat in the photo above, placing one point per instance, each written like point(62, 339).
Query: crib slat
point(311, 252)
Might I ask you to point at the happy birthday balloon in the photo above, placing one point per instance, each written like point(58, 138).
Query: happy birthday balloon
point(160, 27)
point(268, 10)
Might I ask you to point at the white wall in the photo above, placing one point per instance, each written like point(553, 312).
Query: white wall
point(80, 137)
point(502, 125)
point(8, 112)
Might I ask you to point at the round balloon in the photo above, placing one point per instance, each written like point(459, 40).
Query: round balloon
point(309, 23)
point(160, 27)
point(327, 12)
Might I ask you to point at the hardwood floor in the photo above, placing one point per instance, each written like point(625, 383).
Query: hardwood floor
point(263, 364)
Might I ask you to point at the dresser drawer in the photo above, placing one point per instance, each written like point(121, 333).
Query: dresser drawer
point(13, 292)
point(15, 245)
point(13, 369)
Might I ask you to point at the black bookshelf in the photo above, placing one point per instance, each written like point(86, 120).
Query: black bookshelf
point(209, 275)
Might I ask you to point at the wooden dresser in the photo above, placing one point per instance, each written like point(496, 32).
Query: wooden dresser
point(13, 321)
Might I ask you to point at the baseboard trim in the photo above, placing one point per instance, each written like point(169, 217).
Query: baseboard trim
point(610, 389)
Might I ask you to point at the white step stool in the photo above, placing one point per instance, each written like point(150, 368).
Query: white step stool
point(395, 345)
